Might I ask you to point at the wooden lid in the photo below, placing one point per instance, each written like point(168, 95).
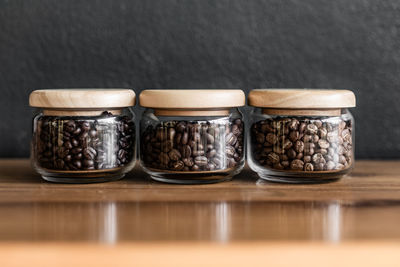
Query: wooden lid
point(82, 98)
point(187, 99)
point(302, 98)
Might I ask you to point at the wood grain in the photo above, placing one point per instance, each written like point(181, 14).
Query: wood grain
point(245, 221)
point(82, 98)
point(370, 181)
point(301, 98)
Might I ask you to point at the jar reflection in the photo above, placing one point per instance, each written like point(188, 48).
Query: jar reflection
point(110, 222)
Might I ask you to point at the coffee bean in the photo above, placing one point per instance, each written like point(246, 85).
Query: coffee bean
point(76, 150)
point(271, 138)
point(294, 136)
point(273, 157)
point(188, 162)
point(77, 164)
point(323, 144)
point(231, 139)
point(185, 138)
point(88, 163)
point(70, 126)
point(186, 151)
point(178, 165)
point(195, 168)
point(308, 167)
point(320, 145)
point(85, 126)
point(200, 161)
point(180, 127)
point(318, 158)
point(174, 155)
point(311, 129)
point(164, 159)
point(296, 164)
point(291, 154)
point(199, 145)
point(294, 125)
point(330, 165)
point(75, 144)
point(299, 146)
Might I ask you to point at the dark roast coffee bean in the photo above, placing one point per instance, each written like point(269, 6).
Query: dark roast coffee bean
point(76, 144)
point(174, 155)
point(178, 165)
point(200, 146)
point(188, 162)
point(302, 144)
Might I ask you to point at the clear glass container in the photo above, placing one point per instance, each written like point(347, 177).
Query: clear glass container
point(83, 136)
point(192, 144)
point(311, 144)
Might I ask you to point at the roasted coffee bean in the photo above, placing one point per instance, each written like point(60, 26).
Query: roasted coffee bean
point(323, 144)
point(70, 126)
point(273, 157)
point(212, 153)
point(296, 164)
point(178, 165)
point(195, 168)
point(231, 139)
point(85, 126)
point(308, 167)
point(76, 144)
point(200, 161)
point(188, 162)
point(299, 146)
point(174, 155)
point(319, 145)
point(186, 151)
point(88, 163)
point(271, 138)
point(294, 136)
point(76, 150)
point(230, 151)
point(77, 164)
point(293, 125)
point(291, 154)
point(311, 129)
point(201, 146)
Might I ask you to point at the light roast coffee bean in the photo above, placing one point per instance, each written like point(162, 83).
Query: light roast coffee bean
point(192, 146)
point(84, 143)
point(302, 144)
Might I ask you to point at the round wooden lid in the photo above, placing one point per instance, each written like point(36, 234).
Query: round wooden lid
point(186, 99)
point(301, 98)
point(82, 98)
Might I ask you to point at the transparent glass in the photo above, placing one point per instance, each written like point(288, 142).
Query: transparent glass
point(301, 149)
point(188, 150)
point(84, 149)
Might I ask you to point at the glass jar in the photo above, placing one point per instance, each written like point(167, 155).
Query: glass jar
point(83, 135)
point(301, 136)
point(192, 136)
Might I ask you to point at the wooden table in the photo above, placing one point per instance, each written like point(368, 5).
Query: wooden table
point(245, 222)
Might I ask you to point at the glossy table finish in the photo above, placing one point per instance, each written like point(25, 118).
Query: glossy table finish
point(362, 209)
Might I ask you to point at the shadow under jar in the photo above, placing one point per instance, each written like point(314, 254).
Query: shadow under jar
point(192, 136)
point(301, 136)
point(83, 135)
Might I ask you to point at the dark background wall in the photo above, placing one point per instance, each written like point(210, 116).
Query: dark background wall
point(204, 44)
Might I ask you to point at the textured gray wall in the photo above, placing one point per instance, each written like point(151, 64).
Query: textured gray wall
point(204, 44)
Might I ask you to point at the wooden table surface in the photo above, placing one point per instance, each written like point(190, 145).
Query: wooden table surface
point(353, 220)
